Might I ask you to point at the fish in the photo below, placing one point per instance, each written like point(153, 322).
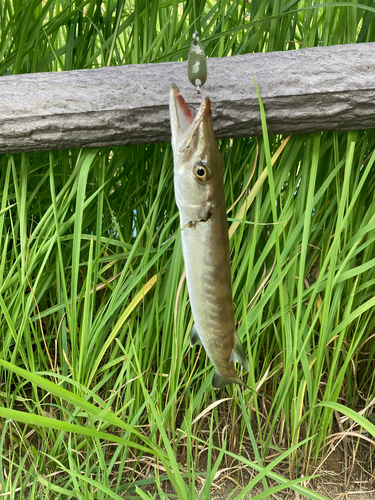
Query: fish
point(199, 194)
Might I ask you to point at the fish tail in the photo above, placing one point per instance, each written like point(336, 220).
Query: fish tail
point(219, 381)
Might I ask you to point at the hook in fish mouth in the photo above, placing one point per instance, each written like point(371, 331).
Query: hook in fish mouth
point(183, 123)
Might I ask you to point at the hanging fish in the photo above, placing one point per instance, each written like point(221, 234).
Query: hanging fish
point(199, 193)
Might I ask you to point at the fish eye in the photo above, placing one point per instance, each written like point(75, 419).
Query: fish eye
point(201, 171)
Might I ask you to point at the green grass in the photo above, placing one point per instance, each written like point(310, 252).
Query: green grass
point(100, 394)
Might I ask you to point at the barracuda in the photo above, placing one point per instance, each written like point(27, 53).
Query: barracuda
point(199, 193)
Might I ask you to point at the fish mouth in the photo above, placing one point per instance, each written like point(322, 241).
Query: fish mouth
point(183, 123)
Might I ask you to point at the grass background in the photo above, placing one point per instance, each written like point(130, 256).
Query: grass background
point(100, 395)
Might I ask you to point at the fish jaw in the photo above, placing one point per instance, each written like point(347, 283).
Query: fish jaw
point(185, 127)
point(193, 143)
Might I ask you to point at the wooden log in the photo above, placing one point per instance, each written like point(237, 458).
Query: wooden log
point(306, 90)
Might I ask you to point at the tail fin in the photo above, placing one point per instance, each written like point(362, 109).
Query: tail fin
point(219, 381)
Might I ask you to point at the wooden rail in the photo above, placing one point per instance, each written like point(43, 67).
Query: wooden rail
point(306, 90)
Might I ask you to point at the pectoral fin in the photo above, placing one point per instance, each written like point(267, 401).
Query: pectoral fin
point(238, 354)
point(194, 337)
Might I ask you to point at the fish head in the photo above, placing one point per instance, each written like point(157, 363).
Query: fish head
point(198, 164)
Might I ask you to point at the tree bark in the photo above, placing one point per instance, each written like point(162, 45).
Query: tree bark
point(306, 90)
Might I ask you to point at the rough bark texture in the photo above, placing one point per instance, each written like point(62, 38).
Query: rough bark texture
point(308, 90)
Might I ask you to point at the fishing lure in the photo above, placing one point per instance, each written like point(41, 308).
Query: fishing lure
point(197, 66)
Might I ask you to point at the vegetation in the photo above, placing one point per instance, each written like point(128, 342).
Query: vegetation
point(101, 396)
